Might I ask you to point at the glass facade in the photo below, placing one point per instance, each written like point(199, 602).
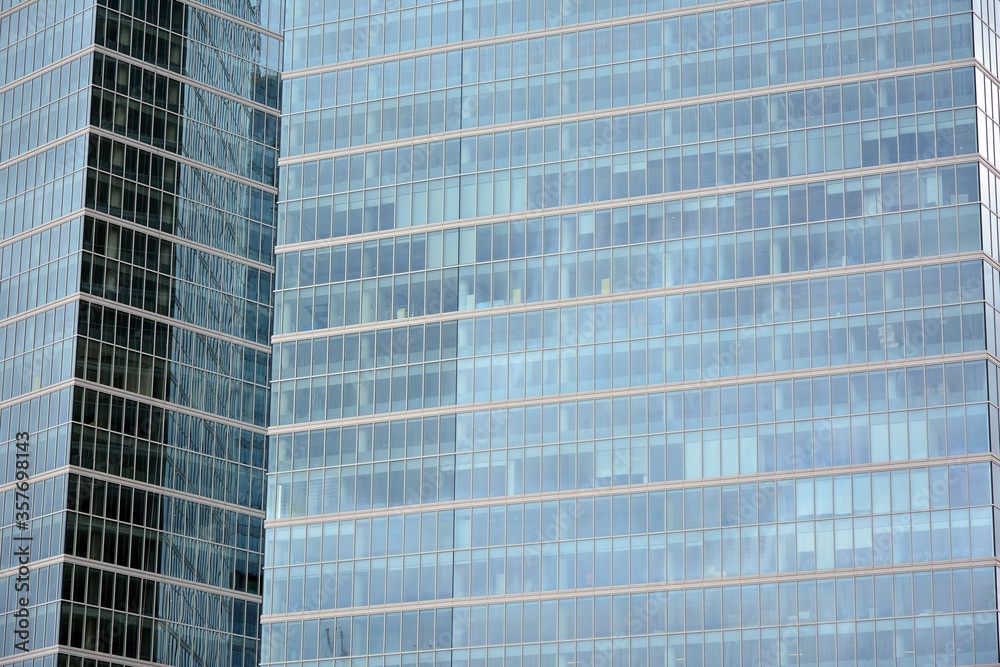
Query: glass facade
point(138, 200)
point(649, 332)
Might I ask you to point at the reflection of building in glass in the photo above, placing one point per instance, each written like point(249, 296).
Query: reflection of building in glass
point(138, 150)
point(635, 333)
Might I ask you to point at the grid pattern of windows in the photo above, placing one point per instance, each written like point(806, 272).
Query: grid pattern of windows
point(44, 79)
point(175, 450)
point(29, 187)
point(157, 360)
point(45, 415)
point(117, 614)
point(641, 332)
point(763, 137)
point(434, 199)
point(119, 525)
point(823, 422)
point(639, 247)
point(138, 151)
point(579, 359)
point(321, 35)
point(520, 89)
point(46, 526)
point(28, 122)
point(39, 351)
point(619, 540)
point(854, 619)
point(163, 277)
point(43, 33)
point(201, 125)
point(127, 182)
point(186, 40)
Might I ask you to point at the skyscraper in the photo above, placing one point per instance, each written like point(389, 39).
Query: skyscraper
point(138, 149)
point(657, 332)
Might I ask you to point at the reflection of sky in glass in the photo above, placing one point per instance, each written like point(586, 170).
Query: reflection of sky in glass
point(656, 339)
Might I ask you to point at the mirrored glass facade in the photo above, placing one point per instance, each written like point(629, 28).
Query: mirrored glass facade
point(642, 332)
point(138, 200)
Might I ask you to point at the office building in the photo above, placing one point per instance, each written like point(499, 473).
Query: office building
point(657, 332)
point(138, 193)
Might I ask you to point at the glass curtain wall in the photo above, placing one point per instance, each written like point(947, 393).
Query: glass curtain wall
point(138, 197)
point(651, 332)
